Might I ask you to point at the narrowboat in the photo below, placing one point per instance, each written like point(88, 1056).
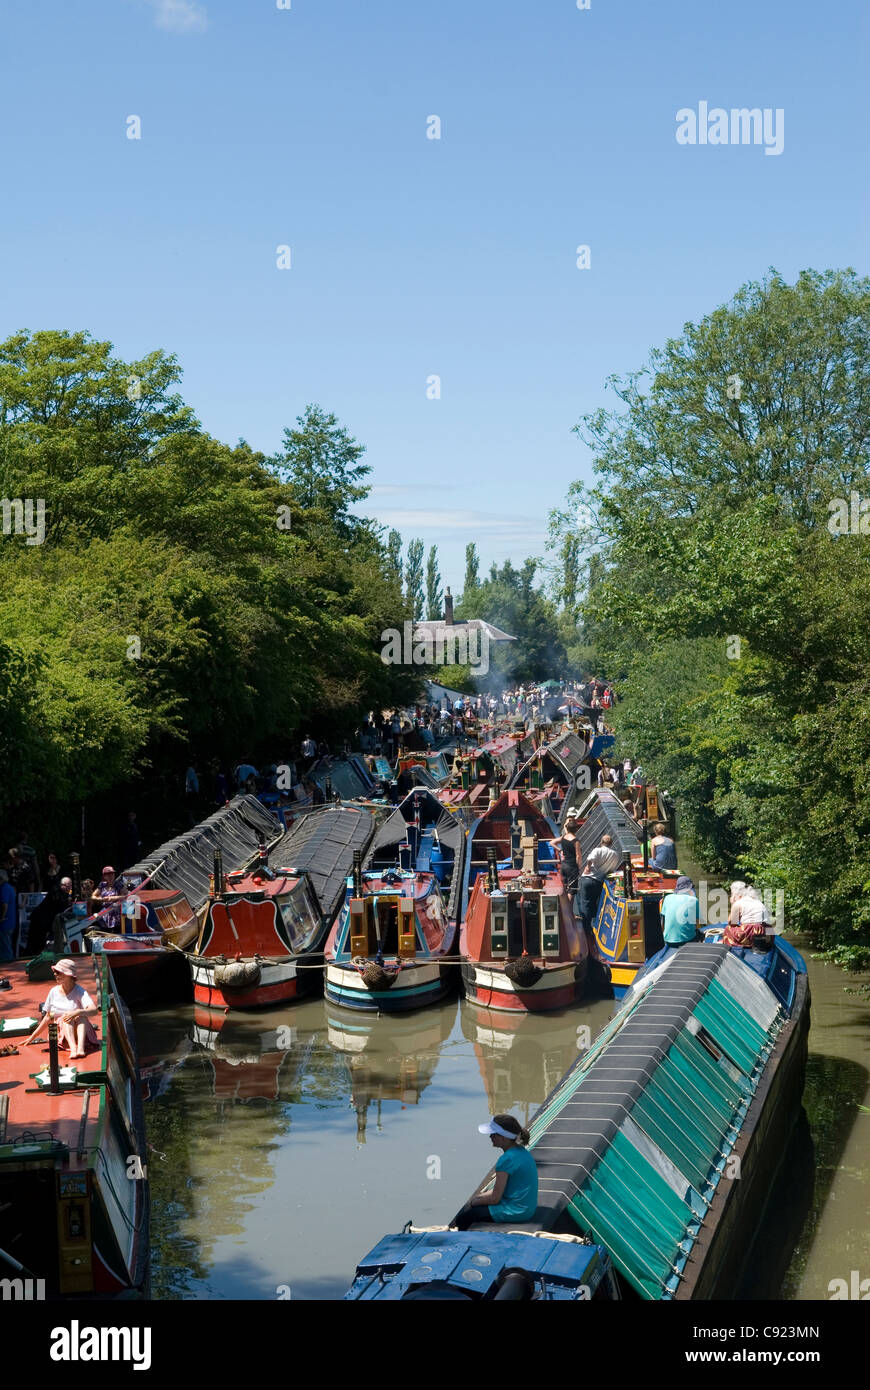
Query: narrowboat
point(74, 1195)
point(627, 929)
point(521, 946)
point(261, 941)
point(388, 951)
point(166, 895)
point(488, 1266)
point(662, 1143)
point(555, 769)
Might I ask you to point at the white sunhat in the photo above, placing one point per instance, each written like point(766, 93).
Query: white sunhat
point(492, 1128)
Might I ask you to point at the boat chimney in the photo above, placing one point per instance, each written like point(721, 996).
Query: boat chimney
point(76, 878)
point(448, 608)
point(220, 886)
point(357, 874)
point(405, 863)
point(627, 881)
point(491, 869)
point(53, 1060)
point(535, 855)
point(645, 828)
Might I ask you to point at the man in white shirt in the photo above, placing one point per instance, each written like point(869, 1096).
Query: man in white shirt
point(604, 860)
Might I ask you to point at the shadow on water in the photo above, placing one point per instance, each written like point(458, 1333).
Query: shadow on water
point(834, 1092)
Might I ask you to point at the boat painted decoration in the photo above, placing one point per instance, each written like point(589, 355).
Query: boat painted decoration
point(627, 929)
point(263, 932)
point(74, 1195)
point(520, 944)
point(387, 951)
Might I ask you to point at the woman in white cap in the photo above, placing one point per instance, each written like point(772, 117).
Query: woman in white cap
point(515, 1194)
point(69, 1004)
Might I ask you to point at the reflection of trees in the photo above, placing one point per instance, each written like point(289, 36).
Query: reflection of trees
point(218, 1154)
point(834, 1088)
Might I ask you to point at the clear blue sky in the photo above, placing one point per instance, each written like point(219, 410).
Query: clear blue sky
point(410, 256)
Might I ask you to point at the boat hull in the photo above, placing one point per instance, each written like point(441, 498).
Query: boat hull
point(725, 1246)
point(279, 983)
point(416, 987)
point(559, 986)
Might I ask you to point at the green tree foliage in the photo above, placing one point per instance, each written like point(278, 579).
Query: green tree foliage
point(414, 597)
point(720, 600)
point(394, 555)
point(472, 571)
point(190, 599)
point(434, 595)
point(509, 600)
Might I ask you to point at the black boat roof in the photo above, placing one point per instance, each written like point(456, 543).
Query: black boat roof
point(322, 844)
point(607, 816)
point(450, 832)
point(186, 862)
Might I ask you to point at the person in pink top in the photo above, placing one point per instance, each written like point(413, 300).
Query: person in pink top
point(69, 1005)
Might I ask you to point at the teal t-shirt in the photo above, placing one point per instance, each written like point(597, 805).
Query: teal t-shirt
point(520, 1200)
point(680, 916)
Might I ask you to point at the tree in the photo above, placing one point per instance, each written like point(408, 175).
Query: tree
point(414, 579)
point(321, 462)
point(731, 614)
point(434, 596)
point(472, 568)
point(394, 554)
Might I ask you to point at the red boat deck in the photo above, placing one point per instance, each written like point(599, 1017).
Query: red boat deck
point(27, 1107)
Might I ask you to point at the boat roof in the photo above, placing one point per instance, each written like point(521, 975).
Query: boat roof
point(187, 861)
point(394, 830)
point(347, 776)
point(322, 843)
point(33, 1113)
point(634, 1139)
point(606, 815)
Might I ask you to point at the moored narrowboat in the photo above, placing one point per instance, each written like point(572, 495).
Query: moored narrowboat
point(661, 1145)
point(388, 950)
point(74, 1195)
point(520, 945)
point(262, 938)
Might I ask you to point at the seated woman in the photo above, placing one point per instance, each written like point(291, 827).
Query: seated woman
point(515, 1194)
point(663, 851)
point(69, 1005)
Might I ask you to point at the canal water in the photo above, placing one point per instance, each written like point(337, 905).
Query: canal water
point(286, 1144)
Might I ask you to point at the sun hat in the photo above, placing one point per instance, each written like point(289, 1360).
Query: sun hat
point(107, 869)
point(683, 883)
point(492, 1128)
point(64, 967)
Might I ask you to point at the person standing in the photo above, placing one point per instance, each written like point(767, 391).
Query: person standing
point(57, 900)
point(108, 894)
point(28, 854)
point(8, 916)
point(568, 847)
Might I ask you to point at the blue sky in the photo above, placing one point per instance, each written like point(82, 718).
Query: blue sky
point(412, 257)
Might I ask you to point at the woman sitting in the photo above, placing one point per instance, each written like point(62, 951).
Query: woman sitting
point(515, 1194)
point(69, 1005)
point(663, 851)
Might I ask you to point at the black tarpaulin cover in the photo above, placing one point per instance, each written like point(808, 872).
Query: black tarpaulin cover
point(187, 861)
point(450, 833)
point(609, 817)
point(322, 844)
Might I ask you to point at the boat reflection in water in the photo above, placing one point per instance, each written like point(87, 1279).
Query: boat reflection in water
point(258, 1058)
point(391, 1058)
point(522, 1057)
